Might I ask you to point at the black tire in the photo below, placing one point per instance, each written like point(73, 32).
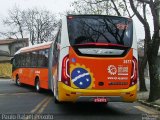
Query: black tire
point(18, 83)
point(37, 85)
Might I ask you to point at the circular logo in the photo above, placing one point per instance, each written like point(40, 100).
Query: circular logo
point(112, 69)
point(81, 77)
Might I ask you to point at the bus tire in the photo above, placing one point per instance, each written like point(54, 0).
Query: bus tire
point(18, 83)
point(37, 85)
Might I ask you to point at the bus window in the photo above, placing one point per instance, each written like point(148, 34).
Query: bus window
point(43, 58)
point(13, 62)
point(56, 48)
point(33, 59)
point(46, 52)
point(27, 60)
point(18, 59)
point(96, 29)
point(23, 60)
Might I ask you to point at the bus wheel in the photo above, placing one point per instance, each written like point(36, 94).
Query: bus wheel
point(37, 85)
point(18, 83)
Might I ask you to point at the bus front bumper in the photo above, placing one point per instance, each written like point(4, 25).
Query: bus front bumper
point(66, 93)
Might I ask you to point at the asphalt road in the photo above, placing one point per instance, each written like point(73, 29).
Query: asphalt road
point(28, 104)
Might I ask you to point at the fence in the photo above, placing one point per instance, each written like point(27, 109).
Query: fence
point(5, 70)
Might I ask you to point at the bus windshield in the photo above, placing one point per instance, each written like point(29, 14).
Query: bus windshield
point(100, 29)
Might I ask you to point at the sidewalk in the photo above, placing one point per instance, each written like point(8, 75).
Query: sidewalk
point(143, 97)
point(4, 79)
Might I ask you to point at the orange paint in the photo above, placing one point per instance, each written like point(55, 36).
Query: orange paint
point(99, 66)
point(28, 75)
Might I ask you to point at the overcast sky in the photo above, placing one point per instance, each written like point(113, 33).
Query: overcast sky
point(55, 6)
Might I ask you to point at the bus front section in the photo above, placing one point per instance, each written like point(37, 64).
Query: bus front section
point(101, 60)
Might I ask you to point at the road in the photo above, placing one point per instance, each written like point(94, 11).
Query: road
point(24, 100)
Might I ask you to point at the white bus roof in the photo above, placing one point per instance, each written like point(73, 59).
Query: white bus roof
point(34, 47)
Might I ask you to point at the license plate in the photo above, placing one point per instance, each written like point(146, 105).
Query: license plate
point(100, 99)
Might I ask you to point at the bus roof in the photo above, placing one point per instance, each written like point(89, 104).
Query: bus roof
point(34, 47)
point(97, 15)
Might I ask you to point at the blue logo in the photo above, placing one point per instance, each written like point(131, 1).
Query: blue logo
point(73, 60)
point(81, 78)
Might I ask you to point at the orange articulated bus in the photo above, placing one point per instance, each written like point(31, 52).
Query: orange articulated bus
point(31, 66)
point(92, 59)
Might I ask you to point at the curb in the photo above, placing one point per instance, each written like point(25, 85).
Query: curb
point(157, 107)
point(5, 79)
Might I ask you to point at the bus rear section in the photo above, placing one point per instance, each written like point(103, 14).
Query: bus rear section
point(100, 62)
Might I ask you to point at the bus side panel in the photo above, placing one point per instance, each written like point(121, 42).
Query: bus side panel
point(28, 75)
point(42, 73)
point(57, 70)
point(50, 71)
point(24, 75)
point(55, 78)
point(63, 52)
point(15, 73)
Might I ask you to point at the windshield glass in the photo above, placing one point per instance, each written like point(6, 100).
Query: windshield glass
point(100, 29)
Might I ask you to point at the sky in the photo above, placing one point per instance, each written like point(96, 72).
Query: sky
point(55, 6)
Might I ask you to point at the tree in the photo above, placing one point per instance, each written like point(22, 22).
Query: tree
point(142, 62)
point(107, 7)
point(39, 25)
point(152, 46)
point(14, 22)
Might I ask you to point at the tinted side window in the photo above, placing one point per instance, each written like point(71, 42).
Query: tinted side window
point(42, 57)
point(46, 53)
point(28, 59)
point(14, 64)
point(56, 48)
point(18, 60)
point(34, 59)
point(23, 60)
